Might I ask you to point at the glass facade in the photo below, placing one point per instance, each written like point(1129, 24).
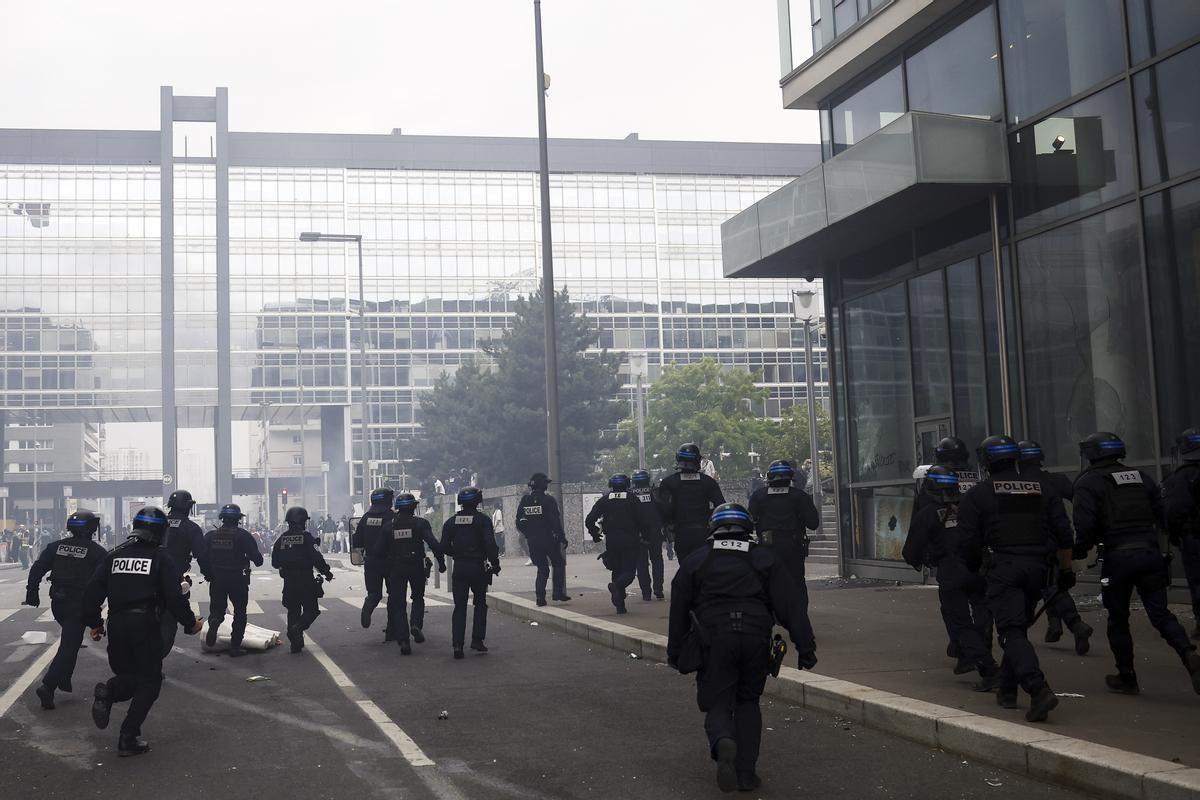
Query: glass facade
point(1098, 256)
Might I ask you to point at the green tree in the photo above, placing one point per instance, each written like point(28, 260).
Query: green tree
point(491, 414)
point(791, 439)
point(703, 403)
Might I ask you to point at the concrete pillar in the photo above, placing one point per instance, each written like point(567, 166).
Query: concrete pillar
point(223, 421)
point(166, 203)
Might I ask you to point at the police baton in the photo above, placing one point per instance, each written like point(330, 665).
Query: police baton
point(1049, 600)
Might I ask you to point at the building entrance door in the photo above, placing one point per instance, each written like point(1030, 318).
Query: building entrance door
point(930, 431)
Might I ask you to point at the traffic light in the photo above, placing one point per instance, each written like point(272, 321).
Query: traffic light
point(284, 493)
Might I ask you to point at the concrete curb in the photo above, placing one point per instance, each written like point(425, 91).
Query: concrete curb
point(1094, 768)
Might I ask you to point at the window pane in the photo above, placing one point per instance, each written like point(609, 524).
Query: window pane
point(845, 14)
point(1158, 25)
point(966, 348)
point(1085, 335)
point(879, 382)
point(1172, 233)
point(1055, 49)
point(959, 73)
point(1167, 103)
point(880, 521)
point(930, 350)
point(1078, 158)
point(867, 110)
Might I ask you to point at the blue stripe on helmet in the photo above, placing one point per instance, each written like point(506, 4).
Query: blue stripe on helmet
point(724, 515)
point(77, 523)
point(684, 455)
point(946, 480)
point(1193, 438)
point(780, 469)
point(1031, 451)
point(1002, 448)
point(1111, 444)
point(152, 520)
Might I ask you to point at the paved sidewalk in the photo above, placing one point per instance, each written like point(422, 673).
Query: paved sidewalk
point(891, 638)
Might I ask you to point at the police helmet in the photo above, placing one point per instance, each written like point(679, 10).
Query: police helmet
point(1188, 443)
point(781, 471)
point(230, 513)
point(941, 483)
point(181, 500)
point(470, 496)
point(688, 458)
point(950, 450)
point(538, 481)
point(150, 524)
point(730, 521)
point(996, 450)
point(641, 477)
point(296, 516)
point(382, 496)
point(1030, 452)
point(618, 482)
point(405, 502)
point(1100, 445)
point(83, 523)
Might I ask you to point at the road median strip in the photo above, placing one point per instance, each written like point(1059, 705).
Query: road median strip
point(1039, 752)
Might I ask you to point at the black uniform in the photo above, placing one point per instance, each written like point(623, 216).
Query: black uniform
point(231, 550)
point(404, 554)
point(737, 590)
point(371, 535)
point(1060, 606)
point(1118, 506)
point(71, 562)
point(1019, 523)
point(1181, 508)
point(685, 500)
point(141, 583)
point(296, 554)
point(468, 538)
point(619, 514)
point(539, 521)
point(650, 559)
point(184, 540)
point(933, 542)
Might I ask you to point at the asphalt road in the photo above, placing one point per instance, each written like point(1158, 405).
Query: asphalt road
point(543, 715)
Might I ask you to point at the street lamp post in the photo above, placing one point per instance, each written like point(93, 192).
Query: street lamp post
point(312, 236)
point(266, 460)
point(303, 453)
point(639, 366)
point(805, 310)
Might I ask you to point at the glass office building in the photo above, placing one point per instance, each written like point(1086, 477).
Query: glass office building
point(1007, 218)
point(163, 269)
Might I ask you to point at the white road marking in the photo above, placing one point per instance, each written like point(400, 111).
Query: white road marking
point(407, 747)
point(22, 683)
point(47, 616)
point(5, 613)
point(356, 603)
point(22, 652)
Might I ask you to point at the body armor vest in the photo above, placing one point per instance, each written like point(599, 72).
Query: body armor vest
point(1127, 508)
point(222, 550)
point(408, 544)
point(71, 568)
point(1019, 523)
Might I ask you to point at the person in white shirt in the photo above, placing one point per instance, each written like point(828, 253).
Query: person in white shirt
point(498, 527)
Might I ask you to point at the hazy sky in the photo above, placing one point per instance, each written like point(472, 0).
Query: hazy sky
point(684, 69)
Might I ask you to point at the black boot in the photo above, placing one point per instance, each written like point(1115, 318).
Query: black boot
point(726, 750)
point(964, 665)
point(952, 650)
point(1041, 705)
point(541, 601)
point(210, 638)
point(1083, 633)
point(458, 651)
point(131, 746)
point(101, 706)
point(748, 781)
point(405, 647)
point(368, 608)
point(989, 678)
point(562, 598)
point(478, 645)
point(46, 696)
point(1054, 630)
point(1006, 698)
point(65, 685)
point(296, 637)
point(661, 596)
point(236, 650)
point(417, 636)
point(1122, 683)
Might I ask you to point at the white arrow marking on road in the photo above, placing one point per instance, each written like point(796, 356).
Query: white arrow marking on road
point(22, 683)
point(5, 613)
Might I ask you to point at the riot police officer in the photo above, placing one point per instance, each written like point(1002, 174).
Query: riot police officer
point(70, 562)
point(1018, 522)
point(1060, 606)
point(370, 535)
point(140, 582)
point(469, 539)
point(185, 540)
point(650, 559)
point(1118, 507)
point(951, 453)
point(404, 553)
point(617, 512)
point(932, 542)
point(781, 514)
point(296, 554)
point(686, 500)
point(540, 522)
point(1181, 507)
point(231, 549)
point(729, 592)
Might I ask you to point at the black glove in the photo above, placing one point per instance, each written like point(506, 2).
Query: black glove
point(595, 535)
point(441, 566)
point(31, 598)
point(328, 576)
point(1079, 552)
point(496, 568)
point(806, 660)
point(1066, 579)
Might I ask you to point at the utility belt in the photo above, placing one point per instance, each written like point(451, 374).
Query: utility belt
point(737, 620)
point(1126, 546)
point(136, 608)
point(798, 536)
point(296, 573)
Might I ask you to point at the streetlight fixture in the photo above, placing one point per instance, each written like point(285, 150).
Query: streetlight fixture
point(805, 309)
point(303, 451)
point(313, 236)
point(266, 459)
point(639, 366)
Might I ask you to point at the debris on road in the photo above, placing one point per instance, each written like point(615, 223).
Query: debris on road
point(634, 655)
point(444, 715)
point(34, 637)
point(257, 678)
point(993, 782)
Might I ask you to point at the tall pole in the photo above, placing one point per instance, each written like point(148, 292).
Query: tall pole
point(641, 424)
point(366, 411)
point(1001, 319)
point(35, 472)
point(266, 460)
point(552, 440)
point(303, 454)
point(812, 414)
